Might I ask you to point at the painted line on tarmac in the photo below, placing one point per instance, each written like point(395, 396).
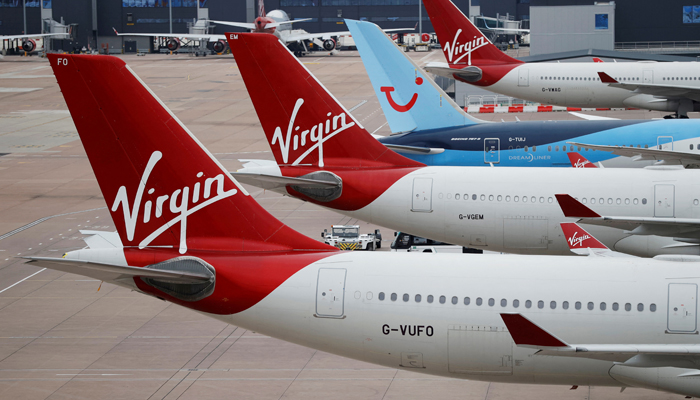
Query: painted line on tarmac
point(18, 282)
point(38, 221)
point(358, 105)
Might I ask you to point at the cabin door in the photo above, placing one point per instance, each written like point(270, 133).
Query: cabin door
point(523, 77)
point(422, 195)
point(330, 293)
point(682, 307)
point(492, 151)
point(664, 201)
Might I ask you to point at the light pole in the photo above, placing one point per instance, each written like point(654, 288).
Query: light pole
point(24, 12)
point(420, 19)
point(170, 9)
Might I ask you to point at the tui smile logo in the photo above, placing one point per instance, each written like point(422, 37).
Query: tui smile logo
point(401, 108)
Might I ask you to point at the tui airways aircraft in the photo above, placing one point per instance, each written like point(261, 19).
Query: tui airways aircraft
point(473, 59)
point(193, 236)
point(325, 156)
point(430, 128)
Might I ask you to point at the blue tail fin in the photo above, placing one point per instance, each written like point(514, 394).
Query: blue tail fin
point(409, 98)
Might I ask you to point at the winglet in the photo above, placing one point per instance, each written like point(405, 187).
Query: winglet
point(605, 78)
point(579, 161)
point(578, 239)
point(526, 333)
point(572, 208)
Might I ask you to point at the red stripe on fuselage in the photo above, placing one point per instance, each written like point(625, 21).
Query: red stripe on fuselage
point(243, 279)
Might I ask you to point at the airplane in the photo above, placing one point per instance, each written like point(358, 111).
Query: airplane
point(28, 42)
point(473, 59)
point(275, 22)
point(191, 235)
point(431, 128)
point(323, 155)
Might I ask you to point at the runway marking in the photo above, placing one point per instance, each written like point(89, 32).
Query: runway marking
point(358, 105)
point(38, 221)
point(380, 127)
point(17, 283)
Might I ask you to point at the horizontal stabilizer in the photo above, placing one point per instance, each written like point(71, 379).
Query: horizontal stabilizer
point(108, 272)
point(414, 149)
point(274, 181)
point(639, 154)
point(469, 74)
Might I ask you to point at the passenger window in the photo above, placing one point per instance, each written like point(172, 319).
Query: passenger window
point(552, 305)
point(507, 198)
point(524, 199)
point(583, 200)
point(601, 200)
point(491, 302)
point(550, 200)
point(556, 148)
point(467, 300)
point(528, 304)
point(618, 201)
point(516, 198)
point(473, 197)
point(541, 199)
point(449, 196)
point(565, 305)
point(525, 148)
point(640, 307)
point(499, 197)
point(627, 201)
point(394, 297)
point(369, 295)
point(504, 303)
point(443, 299)
point(479, 301)
point(628, 307)
point(418, 298)
point(644, 201)
point(603, 306)
point(590, 305)
point(635, 201)
point(430, 298)
point(534, 148)
point(381, 295)
point(533, 199)
point(615, 307)
point(696, 202)
point(549, 148)
point(457, 196)
point(490, 197)
point(609, 200)
point(483, 197)
point(540, 304)
point(406, 297)
point(563, 148)
point(592, 200)
point(652, 307)
point(455, 300)
point(577, 305)
point(516, 303)
point(465, 196)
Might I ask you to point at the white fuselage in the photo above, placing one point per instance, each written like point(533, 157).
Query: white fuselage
point(578, 84)
point(454, 329)
point(514, 210)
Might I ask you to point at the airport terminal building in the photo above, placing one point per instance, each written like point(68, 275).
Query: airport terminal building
point(555, 24)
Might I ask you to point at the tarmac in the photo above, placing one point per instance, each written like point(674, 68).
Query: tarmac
point(64, 336)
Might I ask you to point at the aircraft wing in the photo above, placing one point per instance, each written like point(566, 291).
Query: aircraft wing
point(111, 273)
point(210, 38)
point(639, 154)
point(526, 333)
point(269, 182)
point(469, 74)
point(13, 37)
point(670, 91)
point(251, 26)
point(679, 228)
point(294, 37)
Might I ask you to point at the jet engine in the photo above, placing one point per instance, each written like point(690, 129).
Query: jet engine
point(329, 44)
point(219, 46)
point(29, 45)
point(173, 44)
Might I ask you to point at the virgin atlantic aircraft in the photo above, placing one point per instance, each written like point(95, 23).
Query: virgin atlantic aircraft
point(430, 128)
point(473, 59)
point(191, 235)
point(325, 156)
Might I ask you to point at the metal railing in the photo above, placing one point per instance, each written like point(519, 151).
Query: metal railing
point(659, 47)
point(495, 100)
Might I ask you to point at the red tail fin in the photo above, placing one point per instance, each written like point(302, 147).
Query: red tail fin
point(578, 238)
point(303, 122)
point(462, 42)
point(579, 161)
point(162, 186)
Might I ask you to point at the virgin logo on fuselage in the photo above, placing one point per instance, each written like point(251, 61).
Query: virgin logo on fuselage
point(180, 203)
point(317, 134)
point(577, 241)
point(463, 49)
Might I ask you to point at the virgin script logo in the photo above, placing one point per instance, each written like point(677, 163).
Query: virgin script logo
point(317, 134)
point(581, 163)
point(454, 48)
point(577, 241)
point(182, 203)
